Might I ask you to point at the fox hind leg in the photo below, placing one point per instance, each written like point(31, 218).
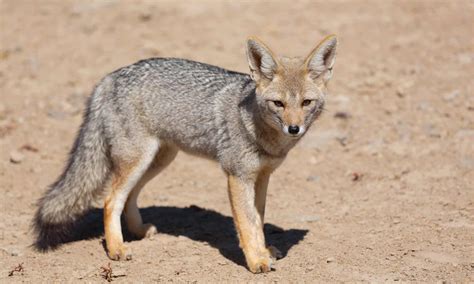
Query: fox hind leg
point(126, 173)
point(162, 159)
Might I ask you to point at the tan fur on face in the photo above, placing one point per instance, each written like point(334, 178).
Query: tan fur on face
point(292, 85)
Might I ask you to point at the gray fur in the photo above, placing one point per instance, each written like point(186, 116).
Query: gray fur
point(201, 109)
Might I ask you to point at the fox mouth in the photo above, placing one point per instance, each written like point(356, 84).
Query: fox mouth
point(294, 136)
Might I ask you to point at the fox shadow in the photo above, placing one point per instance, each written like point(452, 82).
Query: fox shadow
point(196, 223)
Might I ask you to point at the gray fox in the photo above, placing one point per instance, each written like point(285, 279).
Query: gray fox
point(139, 116)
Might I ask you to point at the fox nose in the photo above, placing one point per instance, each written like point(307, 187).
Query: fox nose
point(293, 129)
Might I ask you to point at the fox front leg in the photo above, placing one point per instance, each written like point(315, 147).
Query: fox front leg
point(248, 223)
point(260, 199)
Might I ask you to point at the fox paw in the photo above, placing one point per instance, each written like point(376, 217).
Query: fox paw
point(144, 230)
point(262, 265)
point(275, 253)
point(149, 230)
point(263, 261)
point(120, 253)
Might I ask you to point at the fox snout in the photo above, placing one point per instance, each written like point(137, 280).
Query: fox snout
point(293, 117)
point(294, 130)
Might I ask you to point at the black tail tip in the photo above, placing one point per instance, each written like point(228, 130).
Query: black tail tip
point(49, 236)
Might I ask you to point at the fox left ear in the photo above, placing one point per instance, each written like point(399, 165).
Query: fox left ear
point(321, 60)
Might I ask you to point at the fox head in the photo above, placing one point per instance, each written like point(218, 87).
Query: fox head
point(290, 92)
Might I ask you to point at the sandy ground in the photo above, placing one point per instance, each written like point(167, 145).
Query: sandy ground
point(381, 189)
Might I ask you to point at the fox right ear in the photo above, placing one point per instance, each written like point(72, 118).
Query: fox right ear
point(262, 63)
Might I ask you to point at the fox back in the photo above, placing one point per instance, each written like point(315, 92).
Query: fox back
point(216, 113)
point(177, 100)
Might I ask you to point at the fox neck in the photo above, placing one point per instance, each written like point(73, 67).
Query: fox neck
point(273, 142)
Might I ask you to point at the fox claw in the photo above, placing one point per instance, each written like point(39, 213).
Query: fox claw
point(264, 262)
point(263, 265)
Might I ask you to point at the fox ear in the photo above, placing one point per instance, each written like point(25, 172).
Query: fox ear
point(321, 60)
point(262, 63)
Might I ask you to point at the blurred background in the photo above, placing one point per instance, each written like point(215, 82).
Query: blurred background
point(381, 188)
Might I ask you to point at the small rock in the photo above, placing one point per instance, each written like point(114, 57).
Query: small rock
point(16, 157)
point(145, 16)
point(29, 147)
point(424, 106)
point(451, 96)
point(342, 115)
point(310, 219)
point(356, 176)
point(330, 259)
point(431, 130)
point(59, 115)
point(312, 178)
point(342, 140)
point(401, 93)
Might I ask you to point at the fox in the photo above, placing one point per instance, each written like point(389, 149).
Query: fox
point(140, 116)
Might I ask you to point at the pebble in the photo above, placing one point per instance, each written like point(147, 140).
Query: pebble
point(145, 16)
point(431, 130)
point(16, 157)
point(451, 96)
point(401, 93)
point(342, 115)
point(356, 176)
point(58, 115)
point(330, 259)
point(310, 219)
point(312, 178)
point(424, 106)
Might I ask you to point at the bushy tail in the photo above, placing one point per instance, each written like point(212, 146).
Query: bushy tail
point(82, 181)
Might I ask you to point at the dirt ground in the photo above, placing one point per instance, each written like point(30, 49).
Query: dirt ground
point(381, 188)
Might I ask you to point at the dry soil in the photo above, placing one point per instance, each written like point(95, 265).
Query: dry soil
point(381, 188)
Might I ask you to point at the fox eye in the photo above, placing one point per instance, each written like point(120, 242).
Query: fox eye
point(306, 102)
point(278, 104)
